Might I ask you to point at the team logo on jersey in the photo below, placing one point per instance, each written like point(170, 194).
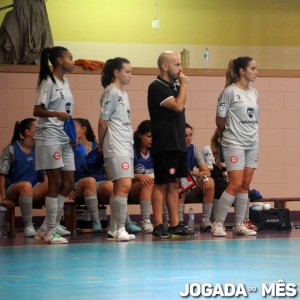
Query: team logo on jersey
point(57, 155)
point(250, 112)
point(140, 169)
point(62, 95)
point(125, 166)
point(234, 159)
point(68, 107)
point(172, 171)
point(121, 100)
point(128, 113)
point(44, 97)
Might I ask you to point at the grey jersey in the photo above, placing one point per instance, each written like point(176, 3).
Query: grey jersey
point(241, 111)
point(199, 159)
point(115, 109)
point(54, 97)
point(208, 157)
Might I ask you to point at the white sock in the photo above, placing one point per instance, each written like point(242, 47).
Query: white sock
point(51, 212)
point(224, 204)
point(25, 203)
point(91, 202)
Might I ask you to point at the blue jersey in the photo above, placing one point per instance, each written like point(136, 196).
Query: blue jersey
point(88, 164)
point(19, 166)
point(194, 157)
point(143, 164)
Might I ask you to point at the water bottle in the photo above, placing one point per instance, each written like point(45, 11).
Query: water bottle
point(206, 57)
point(185, 58)
point(191, 221)
point(3, 221)
point(102, 215)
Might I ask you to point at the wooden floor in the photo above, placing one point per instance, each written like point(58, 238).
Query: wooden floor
point(90, 267)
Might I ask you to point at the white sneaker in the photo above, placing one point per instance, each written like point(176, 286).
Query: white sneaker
point(40, 235)
point(206, 225)
point(112, 236)
point(62, 230)
point(122, 235)
point(243, 230)
point(55, 238)
point(147, 226)
point(29, 231)
point(218, 229)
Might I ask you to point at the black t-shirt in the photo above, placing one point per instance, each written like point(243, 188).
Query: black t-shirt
point(167, 126)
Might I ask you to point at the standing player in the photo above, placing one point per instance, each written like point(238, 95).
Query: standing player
point(54, 154)
point(237, 122)
point(116, 140)
point(166, 101)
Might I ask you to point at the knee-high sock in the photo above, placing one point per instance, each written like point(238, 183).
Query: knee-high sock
point(241, 204)
point(60, 207)
point(247, 210)
point(51, 212)
point(224, 204)
point(120, 211)
point(112, 222)
point(206, 210)
point(25, 203)
point(91, 202)
point(146, 208)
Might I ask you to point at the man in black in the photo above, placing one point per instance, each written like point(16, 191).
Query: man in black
point(166, 101)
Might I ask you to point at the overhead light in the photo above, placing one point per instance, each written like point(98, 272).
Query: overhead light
point(155, 21)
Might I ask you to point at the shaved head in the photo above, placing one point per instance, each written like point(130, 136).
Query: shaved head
point(164, 58)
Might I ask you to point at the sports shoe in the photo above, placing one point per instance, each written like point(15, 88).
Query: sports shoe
point(249, 224)
point(62, 230)
point(185, 225)
point(111, 236)
point(40, 235)
point(218, 229)
point(132, 227)
point(206, 225)
point(181, 231)
point(243, 230)
point(122, 235)
point(54, 238)
point(147, 226)
point(29, 231)
point(97, 227)
point(160, 232)
point(167, 223)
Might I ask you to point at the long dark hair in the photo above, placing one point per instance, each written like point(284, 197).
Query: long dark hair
point(142, 129)
point(20, 128)
point(51, 54)
point(233, 70)
point(108, 71)
point(90, 135)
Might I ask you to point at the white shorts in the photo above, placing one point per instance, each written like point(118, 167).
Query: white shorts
point(54, 157)
point(119, 167)
point(238, 159)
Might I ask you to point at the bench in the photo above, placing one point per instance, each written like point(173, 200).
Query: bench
point(69, 217)
point(280, 202)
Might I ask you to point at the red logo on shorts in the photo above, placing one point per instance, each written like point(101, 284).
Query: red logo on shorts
point(57, 155)
point(125, 165)
point(234, 159)
point(172, 171)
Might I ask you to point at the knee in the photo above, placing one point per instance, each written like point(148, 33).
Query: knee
point(26, 188)
point(90, 183)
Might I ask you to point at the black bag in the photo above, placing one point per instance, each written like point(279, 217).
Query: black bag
point(274, 218)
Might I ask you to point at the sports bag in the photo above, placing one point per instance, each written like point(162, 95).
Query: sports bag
point(274, 218)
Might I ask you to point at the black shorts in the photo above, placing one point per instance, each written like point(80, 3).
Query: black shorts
point(168, 166)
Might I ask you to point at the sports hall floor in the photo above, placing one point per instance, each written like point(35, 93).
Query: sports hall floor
point(90, 267)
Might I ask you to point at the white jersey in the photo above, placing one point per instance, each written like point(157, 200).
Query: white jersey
point(54, 97)
point(241, 111)
point(208, 157)
point(115, 109)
